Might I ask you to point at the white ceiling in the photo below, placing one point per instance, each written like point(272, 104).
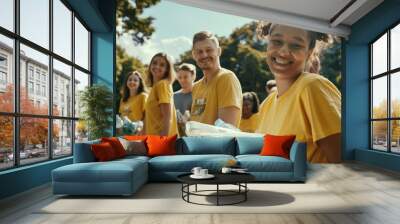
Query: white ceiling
point(315, 15)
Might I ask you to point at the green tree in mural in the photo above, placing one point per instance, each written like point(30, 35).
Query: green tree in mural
point(331, 63)
point(131, 21)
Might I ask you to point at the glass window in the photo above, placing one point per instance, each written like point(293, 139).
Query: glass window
point(379, 97)
point(379, 135)
point(40, 62)
point(35, 21)
point(33, 140)
point(34, 80)
point(37, 89)
point(62, 29)
point(3, 61)
point(395, 47)
point(43, 90)
point(81, 81)
point(30, 72)
point(81, 131)
point(379, 56)
point(395, 95)
point(62, 138)
point(395, 136)
point(30, 87)
point(81, 45)
point(385, 125)
point(62, 77)
point(7, 14)
point(7, 74)
point(37, 74)
point(3, 78)
point(6, 142)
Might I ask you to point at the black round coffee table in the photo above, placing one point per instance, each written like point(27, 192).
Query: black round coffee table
point(238, 179)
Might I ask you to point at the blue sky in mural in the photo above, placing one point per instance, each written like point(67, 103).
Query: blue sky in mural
point(175, 26)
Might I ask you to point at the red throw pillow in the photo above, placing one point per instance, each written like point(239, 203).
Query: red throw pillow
point(116, 145)
point(161, 145)
point(277, 145)
point(103, 152)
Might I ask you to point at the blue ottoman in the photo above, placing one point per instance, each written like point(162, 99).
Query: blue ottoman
point(118, 177)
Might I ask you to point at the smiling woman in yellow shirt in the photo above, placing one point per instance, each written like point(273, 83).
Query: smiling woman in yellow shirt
point(133, 97)
point(305, 104)
point(160, 114)
point(250, 115)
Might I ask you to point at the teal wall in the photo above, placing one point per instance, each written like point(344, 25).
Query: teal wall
point(356, 86)
point(99, 16)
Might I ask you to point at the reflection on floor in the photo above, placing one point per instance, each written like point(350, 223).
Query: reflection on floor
point(377, 188)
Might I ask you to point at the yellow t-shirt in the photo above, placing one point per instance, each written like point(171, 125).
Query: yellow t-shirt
point(309, 109)
point(160, 93)
point(133, 108)
point(224, 90)
point(250, 124)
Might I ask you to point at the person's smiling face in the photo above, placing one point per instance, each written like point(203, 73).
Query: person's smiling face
point(288, 51)
point(158, 68)
point(133, 82)
point(206, 54)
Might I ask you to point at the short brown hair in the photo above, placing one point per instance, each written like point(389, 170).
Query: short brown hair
point(187, 67)
point(205, 35)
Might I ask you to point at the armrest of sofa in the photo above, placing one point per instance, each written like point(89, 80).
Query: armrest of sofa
point(298, 155)
point(83, 152)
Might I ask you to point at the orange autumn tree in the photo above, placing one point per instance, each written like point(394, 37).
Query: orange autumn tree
point(33, 130)
point(380, 127)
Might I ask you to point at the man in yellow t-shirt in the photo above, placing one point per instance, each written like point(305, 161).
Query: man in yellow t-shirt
point(309, 109)
point(219, 93)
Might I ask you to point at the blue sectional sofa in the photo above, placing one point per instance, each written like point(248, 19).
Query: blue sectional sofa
point(125, 176)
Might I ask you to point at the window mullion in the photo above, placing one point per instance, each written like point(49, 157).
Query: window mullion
point(73, 81)
point(50, 81)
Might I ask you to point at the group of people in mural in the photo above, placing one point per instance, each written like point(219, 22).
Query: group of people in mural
point(300, 102)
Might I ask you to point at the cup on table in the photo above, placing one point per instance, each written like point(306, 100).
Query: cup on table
point(226, 170)
point(196, 171)
point(203, 172)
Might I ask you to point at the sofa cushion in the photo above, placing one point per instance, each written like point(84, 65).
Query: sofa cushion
point(103, 152)
point(161, 145)
point(277, 145)
point(116, 145)
point(83, 152)
point(257, 163)
point(112, 171)
point(197, 145)
point(249, 145)
point(135, 147)
point(185, 163)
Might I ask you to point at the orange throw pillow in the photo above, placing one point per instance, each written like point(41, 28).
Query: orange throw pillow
point(135, 137)
point(277, 145)
point(161, 145)
point(116, 145)
point(103, 152)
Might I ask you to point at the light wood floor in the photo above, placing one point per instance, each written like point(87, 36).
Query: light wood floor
point(377, 188)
